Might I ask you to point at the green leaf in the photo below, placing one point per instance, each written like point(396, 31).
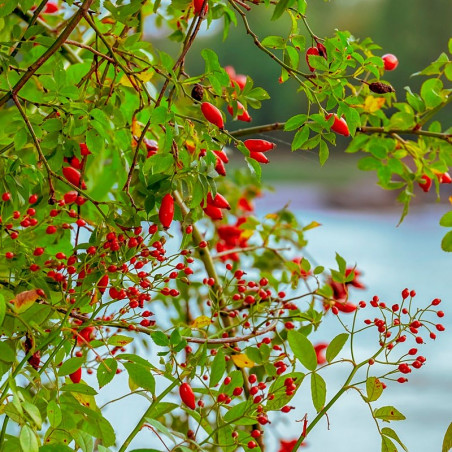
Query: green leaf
point(119, 341)
point(392, 434)
point(70, 366)
point(54, 413)
point(318, 391)
point(324, 152)
point(2, 309)
point(446, 220)
point(236, 415)
point(389, 413)
point(160, 427)
point(447, 441)
point(300, 138)
point(387, 445)
point(446, 242)
point(431, 92)
point(28, 440)
point(7, 353)
point(449, 45)
point(278, 389)
point(336, 346)
point(374, 389)
point(218, 368)
point(274, 42)
point(160, 338)
point(141, 376)
point(33, 412)
point(106, 371)
point(7, 7)
point(281, 6)
point(78, 387)
point(295, 122)
point(302, 349)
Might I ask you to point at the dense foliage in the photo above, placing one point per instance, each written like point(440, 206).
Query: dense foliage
point(118, 198)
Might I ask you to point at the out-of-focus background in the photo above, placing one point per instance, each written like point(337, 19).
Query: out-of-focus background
point(359, 220)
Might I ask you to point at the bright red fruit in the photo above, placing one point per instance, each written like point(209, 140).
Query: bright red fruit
point(102, 284)
point(242, 114)
point(426, 183)
point(318, 351)
point(219, 201)
point(213, 212)
point(86, 335)
point(50, 8)
point(390, 61)
point(254, 145)
point(444, 178)
point(212, 114)
point(187, 395)
point(339, 125)
point(309, 52)
point(76, 376)
point(166, 212)
point(259, 157)
point(84, 149)
point(219, 167)
point(222, 155)
point(73, 176)
point(197, 6)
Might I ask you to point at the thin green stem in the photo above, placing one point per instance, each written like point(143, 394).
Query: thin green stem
point(146, 414)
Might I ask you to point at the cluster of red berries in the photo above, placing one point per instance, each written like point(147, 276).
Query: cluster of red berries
point(403, 328)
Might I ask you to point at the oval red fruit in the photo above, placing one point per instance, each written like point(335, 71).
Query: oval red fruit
point(212, 114)
point(76, 376)
point(255, 145)
point(259, 157)
point(213, 212)
point(219, 201)
point(339, 125)
point(426, 183)
point(309, 52)
point(197, 6)
point(166, 212)
point(73, 176)
point(242, 114)
point(187, 395)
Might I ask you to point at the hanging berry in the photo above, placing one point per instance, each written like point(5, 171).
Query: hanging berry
point(255, 145)
point(339, 125)
point(73, 176)
point(166, 212)
point(212, 114)
point(187, 395)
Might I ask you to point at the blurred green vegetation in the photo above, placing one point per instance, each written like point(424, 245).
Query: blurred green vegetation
point(416, 31)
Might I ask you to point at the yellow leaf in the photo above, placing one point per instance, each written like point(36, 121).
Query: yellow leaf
point(132, 385)
point(450, 199)
point(86, 400)
point(143, 76)
point(373, 104)
point(25, 300)
point(242, 360)
point(271, 216)
point(247, 234)
point(201, 322)
point(312, 225)
point(136, 127)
